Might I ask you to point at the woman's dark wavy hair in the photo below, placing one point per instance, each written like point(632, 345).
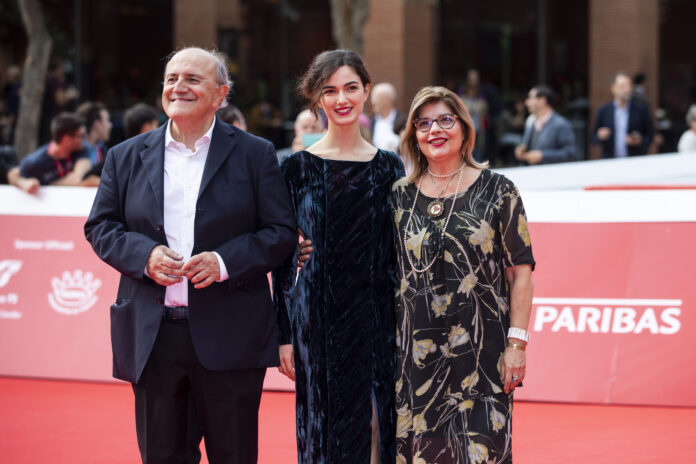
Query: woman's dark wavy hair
point(322, 67)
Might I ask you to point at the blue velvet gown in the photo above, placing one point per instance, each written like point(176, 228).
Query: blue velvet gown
point(339, 311)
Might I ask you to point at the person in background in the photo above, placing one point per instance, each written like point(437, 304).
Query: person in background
point(11, 94)
point(59, 96)
point(640, 93)
point(336, 317)
point(264, 118)
point(6, 124)
point(65, 159)
point(473, 98)
point(548, 136)
point(510, 128)
point(494, 108)
point(387, 123)
point(138, 119)
point(8, 160)
point(687, 142)
point(9, 172)
point(624, 126)
point(464, 292)
point(98, 124)
point(308, 129)
point(232, 116)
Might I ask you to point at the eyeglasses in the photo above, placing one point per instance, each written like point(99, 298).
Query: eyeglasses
point(445, 121)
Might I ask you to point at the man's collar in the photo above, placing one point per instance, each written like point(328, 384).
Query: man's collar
point(617, 104)
point(540, 122)
point(547, 116)
point(207, 137)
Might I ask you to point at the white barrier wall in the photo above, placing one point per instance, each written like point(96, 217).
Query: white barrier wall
point(612, 319)
point(664, 169)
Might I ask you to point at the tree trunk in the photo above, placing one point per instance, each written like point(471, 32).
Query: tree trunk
point(33, 77)
point(348, 19)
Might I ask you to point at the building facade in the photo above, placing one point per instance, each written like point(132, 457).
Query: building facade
point(117, 48)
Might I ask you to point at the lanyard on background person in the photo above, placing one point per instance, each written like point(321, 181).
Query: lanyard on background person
point(63, 172)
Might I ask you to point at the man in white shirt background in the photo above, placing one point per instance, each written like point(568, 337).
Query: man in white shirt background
point(387, 123)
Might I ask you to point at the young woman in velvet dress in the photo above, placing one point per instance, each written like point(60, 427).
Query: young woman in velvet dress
point(336, 317)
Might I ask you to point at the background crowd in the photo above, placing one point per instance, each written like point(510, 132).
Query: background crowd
point(74, 135)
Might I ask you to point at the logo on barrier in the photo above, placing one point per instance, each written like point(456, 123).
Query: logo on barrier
point(74, 293)
point(8, 268)
point(607, 315)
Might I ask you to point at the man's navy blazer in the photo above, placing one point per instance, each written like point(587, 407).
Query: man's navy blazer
point(243, 212)
point(638, 120)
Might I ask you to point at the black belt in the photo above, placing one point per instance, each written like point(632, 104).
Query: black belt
point(175, 313)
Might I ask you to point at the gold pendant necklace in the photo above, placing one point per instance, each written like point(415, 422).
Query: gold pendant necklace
point(436, 207)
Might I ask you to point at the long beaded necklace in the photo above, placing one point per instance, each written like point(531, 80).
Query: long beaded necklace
point(410, 216)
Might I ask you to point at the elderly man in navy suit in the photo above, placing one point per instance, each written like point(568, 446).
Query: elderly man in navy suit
point(193, 215)
point(548, 136)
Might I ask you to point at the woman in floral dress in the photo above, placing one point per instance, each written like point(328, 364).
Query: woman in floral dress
point(463, 304)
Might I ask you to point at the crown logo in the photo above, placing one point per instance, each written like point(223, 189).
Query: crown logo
point(74, 293)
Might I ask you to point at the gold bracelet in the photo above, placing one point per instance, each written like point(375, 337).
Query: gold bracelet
point(517, 346)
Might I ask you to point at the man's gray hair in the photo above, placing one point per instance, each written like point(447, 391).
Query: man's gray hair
point(387, 88)
point(620, 74)
point(691, 114)
point(222, 76)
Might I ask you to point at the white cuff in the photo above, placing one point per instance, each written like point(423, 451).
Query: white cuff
point(223, 270)
point(516, 332)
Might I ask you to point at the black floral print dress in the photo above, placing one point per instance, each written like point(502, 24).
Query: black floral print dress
point(452, 322)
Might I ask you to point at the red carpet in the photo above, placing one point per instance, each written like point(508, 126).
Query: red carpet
point(59, 422)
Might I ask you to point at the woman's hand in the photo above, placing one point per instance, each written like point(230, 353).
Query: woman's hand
point(287, 361)
point(512, 368)
point(514, 362)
